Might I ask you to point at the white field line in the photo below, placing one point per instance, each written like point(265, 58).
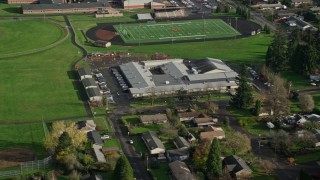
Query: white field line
point(168, 24)
point(180, 36)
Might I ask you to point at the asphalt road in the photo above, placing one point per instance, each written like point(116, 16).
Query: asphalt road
point(138, 165)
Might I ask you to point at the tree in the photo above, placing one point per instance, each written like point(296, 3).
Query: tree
point(243, 97)
point(226, 9)
point(309, 125)
point(238, 143)
point(267, 166)
point(280, 140)
point(307, 140)
point(218, 10)
point(200, 155)
point(277, 56)
point(294, 40)
point(266, 29)
point(123, 169)
point(257, 108)
point(152, 94)
point(277, 97)
point(306, 103)
point(183, 131)
point(169, 131)
point(65, 142)
point(75, 175)
point(214, 163)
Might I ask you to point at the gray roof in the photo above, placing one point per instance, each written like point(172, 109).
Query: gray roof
point(89, 82)
point(210, 64)
point(92, 92)
point(64, 6)
point(299, 21)
point(137, 75)
point(181, 142)
point(178, 152)
point(181, 171)
point(235, 164)
point(315, 9)
point(84, 71)
point(152, 141)
point(95, 137)
point(145, 16)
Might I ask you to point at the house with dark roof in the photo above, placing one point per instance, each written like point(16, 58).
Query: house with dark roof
point(298, 3)
point(153, 143)
point(177, 154)
point(95, 137)
point(94, 94)
point(180, 171)
point(89, 83)
point(187, 116)
point(204, 122)
point(86, 126)
point(154, 119)
point(85, 73)
point(181, 143)
point(236, 167)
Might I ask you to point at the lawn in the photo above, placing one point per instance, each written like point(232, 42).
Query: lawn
point(41, 86)
point(144, 128)
point(316, 99)
point(112, 143)
point(102, 124)
point(131, 119)
point(139, 145)
point(299, 82)
point(23, 136)
point(177, 30)
point(162, 173)
point(305, 158)
point(27, 34)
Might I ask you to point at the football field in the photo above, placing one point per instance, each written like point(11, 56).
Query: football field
point(175, 30)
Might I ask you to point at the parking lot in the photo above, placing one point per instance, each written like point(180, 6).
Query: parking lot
point(110, 81)
point(198, 6)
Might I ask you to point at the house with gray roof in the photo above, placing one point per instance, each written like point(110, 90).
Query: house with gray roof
point(89, 83)
point(181, 143)
point(84, 73)
point(180, 171)
point(236, 167)
point(153, 143)
point(177, 154)
point(95, 137)
point(94, 94)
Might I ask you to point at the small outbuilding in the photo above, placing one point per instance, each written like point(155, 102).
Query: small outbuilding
point(181, 143)
point(177, 154)
point(211, 133)
point(187, 116)
point(94, 94)
point(89, 83)
point(88, 125)
point(237, 167)
point(204, 122)
point(95, 137)
point(180, 171)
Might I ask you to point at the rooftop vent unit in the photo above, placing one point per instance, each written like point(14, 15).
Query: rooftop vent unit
point(167, 82)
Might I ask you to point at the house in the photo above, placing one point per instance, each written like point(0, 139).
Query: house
point(85, 73)
point(95, 137)
point(297, 3)
point(300, 23)
point(236, 167)
point(187, 116)
point(180, 171)
point(315, 77)
point(271, 6)
point(89, 83)
point(266, 111)
point(181, 143)
point(204, 122)
point(94, 94)
point(313, 117)
point(98, 153)
point(153, 143)
point(88, 125)
point(156, 119)
point(211, 133)
point(177, 154)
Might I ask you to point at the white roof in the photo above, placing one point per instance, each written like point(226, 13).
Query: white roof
point(144, 16)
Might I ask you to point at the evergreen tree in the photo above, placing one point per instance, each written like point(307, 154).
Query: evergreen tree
point(214, 164)
point(243, 97)
point(277, 56)
point(64, 142)
point(123, 169)
point(218, 10)
point(311, 60)
point(257, 107)
point(293, 44)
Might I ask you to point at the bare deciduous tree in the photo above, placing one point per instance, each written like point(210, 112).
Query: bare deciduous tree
point(306, 103)
point(267, 166)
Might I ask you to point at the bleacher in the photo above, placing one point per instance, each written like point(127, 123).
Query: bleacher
point(170, 14)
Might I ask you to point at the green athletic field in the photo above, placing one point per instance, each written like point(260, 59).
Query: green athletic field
point(177, 30)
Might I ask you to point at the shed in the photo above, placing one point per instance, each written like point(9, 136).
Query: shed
point(153, 143)
point(181, 143)
point(211, 133)
point(206, 121)
point(88, 125)
point(187, 116)
point(270, 125)
point(177, 154)
point(84, 73)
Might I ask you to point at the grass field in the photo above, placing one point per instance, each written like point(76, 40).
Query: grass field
point(27, 34)
point(40, 86)
point(23, 136)
point(178, 30)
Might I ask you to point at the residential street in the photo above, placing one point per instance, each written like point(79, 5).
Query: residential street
point(121, 133)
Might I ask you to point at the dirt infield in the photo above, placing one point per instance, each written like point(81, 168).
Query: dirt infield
point(105, 35)
point(13, 156)
point(243, 26)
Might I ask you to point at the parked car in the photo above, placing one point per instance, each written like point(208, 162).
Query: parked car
point(130, 141)
point(106, 136)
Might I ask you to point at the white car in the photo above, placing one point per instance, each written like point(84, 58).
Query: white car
point(106, 136)
point(131, 141)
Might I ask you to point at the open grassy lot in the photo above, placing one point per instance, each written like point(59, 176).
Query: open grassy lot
point(177, 30)
point(112, 143)
point(23, 136)
point(305, 158)
point(316, 99)
point(9, 9)
point(162, 173)
point(298, 81)
point(40, 86)
point(27, 34)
